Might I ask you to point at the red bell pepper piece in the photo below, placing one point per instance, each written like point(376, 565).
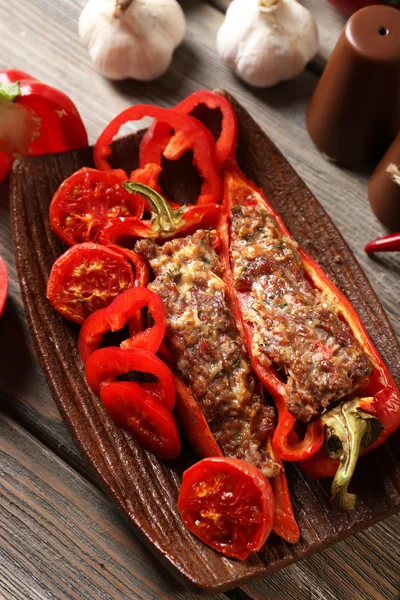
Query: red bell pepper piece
point(165, 221)
point(35, 119)
point(380, 391)
point(115, 316)
point(189, 135)
point(105, 365)
point(193, 105)
point(3, 285)
point(149, 421)
point(389, 243)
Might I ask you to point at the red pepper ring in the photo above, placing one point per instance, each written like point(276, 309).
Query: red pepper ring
point(385, 406)
point(188, 135)
point(225, 145)
point(115, 316)
point(105, 365)
point(152, 424)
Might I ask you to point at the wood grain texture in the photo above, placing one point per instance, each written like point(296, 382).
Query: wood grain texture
point(122, 467)
point(59, 536)
point(41, 38)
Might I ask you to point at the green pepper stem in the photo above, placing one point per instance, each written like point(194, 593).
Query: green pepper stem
point(349, 431)
point(164, 219)
point(9, 91)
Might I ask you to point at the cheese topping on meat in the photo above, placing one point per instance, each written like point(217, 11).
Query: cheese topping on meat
point(295, 326)
point(209, 354)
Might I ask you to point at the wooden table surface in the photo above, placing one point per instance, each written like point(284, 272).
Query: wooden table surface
point(60, 538)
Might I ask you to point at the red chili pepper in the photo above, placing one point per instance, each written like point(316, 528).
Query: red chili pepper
point(85, 278)
point(3, 285)
point(189, 135)
point(35, 119)
point(115, 316)
point(380, 391)
point(165, 221)
point(225, 145)
point(389, 243)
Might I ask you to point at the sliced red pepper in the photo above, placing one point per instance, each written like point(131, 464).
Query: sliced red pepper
point(150, 422)
point(286, 441)
point(85, 278)
point(3, 285)
point(389, 243)
point(160, 133)
point(115, 316)
point(166, 222)
point(105, 365)
point(35, 118)
point(189, 135)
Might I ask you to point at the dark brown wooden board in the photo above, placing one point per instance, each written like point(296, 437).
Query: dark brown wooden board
point(143, 488)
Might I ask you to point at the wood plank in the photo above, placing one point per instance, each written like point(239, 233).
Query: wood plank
point(330, 24)
point(49, 48)
point(60, 537)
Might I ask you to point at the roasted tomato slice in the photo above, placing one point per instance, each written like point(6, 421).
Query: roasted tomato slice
point(150, 422)
point(85, 278)
point(88, 200)
point(3, 285)
point(228, 504)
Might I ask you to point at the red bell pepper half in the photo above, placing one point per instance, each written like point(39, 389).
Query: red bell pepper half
point(35, 118)
point(115, 316)
point(379, 402)
point(189, 135)
point(194, 106)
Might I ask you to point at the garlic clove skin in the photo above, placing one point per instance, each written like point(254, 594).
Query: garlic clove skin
point(134, 38)
point(267, 41)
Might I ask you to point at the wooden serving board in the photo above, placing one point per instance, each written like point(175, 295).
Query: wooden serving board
point(145, 489)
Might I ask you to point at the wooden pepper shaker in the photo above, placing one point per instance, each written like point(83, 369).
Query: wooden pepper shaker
point(354, 113)
point(384, 188)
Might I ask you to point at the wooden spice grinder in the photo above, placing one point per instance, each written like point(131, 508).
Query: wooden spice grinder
point(384, 188)
point(354, 113)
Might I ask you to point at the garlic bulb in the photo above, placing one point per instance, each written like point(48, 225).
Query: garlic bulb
point(132, 38)
point(267, 41)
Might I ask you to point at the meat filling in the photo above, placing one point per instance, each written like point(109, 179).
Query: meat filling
point(295, 326)
point(209, 354)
